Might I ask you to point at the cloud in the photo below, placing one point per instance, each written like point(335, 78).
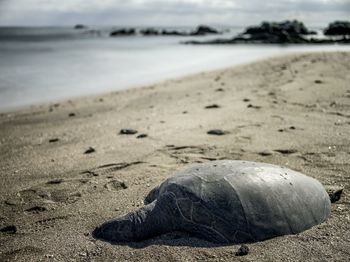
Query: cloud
point(168, 12)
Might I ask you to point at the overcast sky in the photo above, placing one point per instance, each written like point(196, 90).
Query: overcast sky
point(170, 12)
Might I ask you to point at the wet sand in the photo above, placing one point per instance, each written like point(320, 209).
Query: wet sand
point(67, 167)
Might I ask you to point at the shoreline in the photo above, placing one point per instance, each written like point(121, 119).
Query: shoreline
point(289, 110)
point(112, 74)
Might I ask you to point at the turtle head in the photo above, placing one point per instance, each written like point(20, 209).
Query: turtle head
point(116, 230)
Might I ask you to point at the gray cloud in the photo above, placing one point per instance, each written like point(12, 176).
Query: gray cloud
point(168, 12)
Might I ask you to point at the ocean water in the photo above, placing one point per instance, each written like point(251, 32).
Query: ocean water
point(39, 65)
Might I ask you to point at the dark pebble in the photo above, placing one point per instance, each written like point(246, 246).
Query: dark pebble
point(242, 251)
point(142, 136)
point(335, 195)
point(286, 151)
point(246, 100)
point(212, 106)
point(54, 140)
point(9, 229)
point(90, 150)
point(318, 82)
point(220, 90)
point(252, 106)
point(127, 132)
point(55, 181)
point(292, 128)
point(265, 153)
point(216, 132)
point(71, 114)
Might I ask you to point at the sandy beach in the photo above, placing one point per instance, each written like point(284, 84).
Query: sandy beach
point(65, 168)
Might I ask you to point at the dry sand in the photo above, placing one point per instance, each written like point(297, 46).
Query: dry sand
point(54, 195)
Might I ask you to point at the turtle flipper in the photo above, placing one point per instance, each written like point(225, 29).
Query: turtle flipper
point(116, 230)
point(151, 220)
point(152, 195)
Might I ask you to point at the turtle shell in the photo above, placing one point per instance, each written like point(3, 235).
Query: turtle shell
point(246, 201)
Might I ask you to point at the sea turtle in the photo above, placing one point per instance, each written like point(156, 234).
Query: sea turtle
point(225, 202)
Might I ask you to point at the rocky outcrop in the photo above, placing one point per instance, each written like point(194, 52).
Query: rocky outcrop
point(338, 28)
point(287, 32)
point(286, 27)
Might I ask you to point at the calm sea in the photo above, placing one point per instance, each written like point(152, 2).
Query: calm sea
point(40, 65)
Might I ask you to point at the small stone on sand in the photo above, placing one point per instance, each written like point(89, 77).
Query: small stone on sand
point(127, 131)
point(9, 229)
point(335, 193)
point(216, 132)
point(90, 150)
point(142, 136)
point(53, 140)
point(55, 181)
point(265, 153)
point(36, 209)
point(286, 151)
point(242, 251)
point(252, 106)
point(212, 106)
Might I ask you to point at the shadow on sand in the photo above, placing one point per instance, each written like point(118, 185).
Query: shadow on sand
point(170, 239)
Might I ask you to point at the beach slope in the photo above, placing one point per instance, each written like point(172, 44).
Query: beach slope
point(65, 168)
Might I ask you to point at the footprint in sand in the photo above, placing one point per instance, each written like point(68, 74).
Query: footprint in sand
point(25, 254)
point(36, 198)
point(116, 185)
point(108, 169)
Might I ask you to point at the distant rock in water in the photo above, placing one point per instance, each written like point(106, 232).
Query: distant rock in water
point(149, 32)
point(288, 27)
point(174, 33)
point(338, 28)
point(287, 32)
point(80, 26)
point(123, 32)
point(204, 30)
point(201, 30)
